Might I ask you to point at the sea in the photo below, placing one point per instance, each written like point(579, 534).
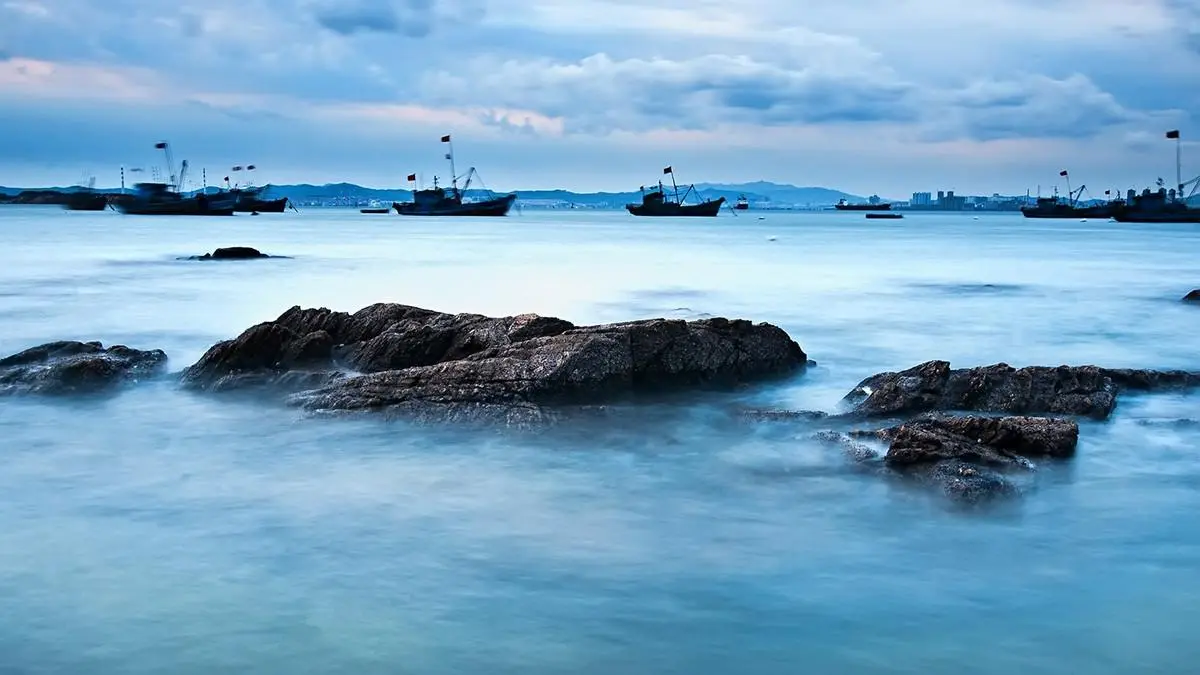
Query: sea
point(163, 531)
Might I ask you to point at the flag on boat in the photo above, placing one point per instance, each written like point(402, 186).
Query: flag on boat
point(1174, 133)
point(237, 168)
point(667, 170)
point(446, 138)
point(412, 177)
point(226, 179)
point(250, 168)
point(448, 156)
point(161, 145)
point(1062, 173)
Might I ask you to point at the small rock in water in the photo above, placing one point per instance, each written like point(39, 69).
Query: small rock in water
point(770, 238)
point(1193, 296)
point(233, 253)
point(69, 367)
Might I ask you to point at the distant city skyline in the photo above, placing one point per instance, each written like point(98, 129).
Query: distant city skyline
point(597, 95)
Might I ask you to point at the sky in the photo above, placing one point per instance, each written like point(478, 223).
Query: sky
point(866, 96)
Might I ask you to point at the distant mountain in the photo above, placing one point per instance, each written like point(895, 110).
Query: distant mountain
point(777, 194)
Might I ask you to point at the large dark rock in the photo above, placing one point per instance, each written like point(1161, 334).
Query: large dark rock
point(65, 368)
point(233, 253)
point(414, 361)
point(1087, 391)
point(1192, 296)
point(989, 441)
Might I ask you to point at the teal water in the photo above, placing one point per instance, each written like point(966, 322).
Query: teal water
point(161, 531)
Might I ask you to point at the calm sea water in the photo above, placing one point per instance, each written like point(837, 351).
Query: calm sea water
point(161, 531)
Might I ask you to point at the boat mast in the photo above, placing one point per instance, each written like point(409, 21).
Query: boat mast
point(162, 145)
point(673, 185)
point(1070, 192)
point(1174, 134)
point(450, 156)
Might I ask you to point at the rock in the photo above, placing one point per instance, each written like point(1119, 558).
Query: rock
point(967, 484)
point(1087, 391)
point(989, 441)
point(420, 362)
point(65, 368)
point(233, 253)
point(1192, 296)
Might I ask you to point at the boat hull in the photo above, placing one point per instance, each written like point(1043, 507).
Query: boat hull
point(885, 216)
point(187, 206)
point(491, 207)
point(670, 209)
point(1190, 216)
point(1071, 212)
point(86, 202)
point(249, 205)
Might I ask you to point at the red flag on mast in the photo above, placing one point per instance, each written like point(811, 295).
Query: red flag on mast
point(446, 138)
point(667, 170)
point(1062, 173)
point(1174, 133)
point(412, 177)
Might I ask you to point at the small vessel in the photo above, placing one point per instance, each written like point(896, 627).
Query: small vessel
point(86, 199)
point(250, 199)
point(1055, 207)
point(374, 210)
point(656, 203)
point(166, 199)
point(886, 216)
point(843, 205)
point(441, 202)
point(741, 204)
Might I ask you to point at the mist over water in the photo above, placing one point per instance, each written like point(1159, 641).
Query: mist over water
point(163, 531)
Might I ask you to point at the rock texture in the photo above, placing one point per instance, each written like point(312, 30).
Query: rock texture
point(1086, 391)
point(65, 368)
point(988, 441)
point(233, 253)
point(411, 360)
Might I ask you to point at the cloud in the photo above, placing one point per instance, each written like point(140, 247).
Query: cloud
point(876, 91)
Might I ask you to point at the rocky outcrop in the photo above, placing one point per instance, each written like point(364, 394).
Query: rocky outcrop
point(233, 253)
point(1192, 296)
point(967, 458)
point(410, 360)
point(1085, 391)
point(66, 368)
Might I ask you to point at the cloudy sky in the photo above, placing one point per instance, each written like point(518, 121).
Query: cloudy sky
point(886, 96)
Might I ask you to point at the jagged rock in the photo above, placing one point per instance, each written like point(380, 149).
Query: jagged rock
point(1087, 391)
point(990, 441)
point(430, 363)
point(68, 367)
point(1192, 296)
point(967, 484)
point(233, 253)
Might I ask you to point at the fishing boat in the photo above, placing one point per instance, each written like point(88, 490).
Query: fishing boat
point(439, 201)
point(373, 210)
point(167, 199)
point(656, 203)
point(742, 204)
point(885, 216)
point(1056, 207)
point(1162, 205)
point(86, 198)
point(250, 199)
point(843, 205)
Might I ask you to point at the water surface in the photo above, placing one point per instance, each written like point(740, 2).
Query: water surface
point(161, 531)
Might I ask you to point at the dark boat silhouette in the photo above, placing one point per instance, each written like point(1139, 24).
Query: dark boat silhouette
point(1055, 207)
point(250, 200)
point(843, 205)
point(1163, 206)
point(439, 201)
point(373, 210)
point(656, 203)
point(741, 204)
point(165, 199)
point(885, 216)
point(86, 198)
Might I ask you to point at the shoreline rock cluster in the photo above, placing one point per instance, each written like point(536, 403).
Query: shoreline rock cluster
point(961, 430)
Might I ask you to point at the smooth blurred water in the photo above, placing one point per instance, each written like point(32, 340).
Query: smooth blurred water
point(161, 531)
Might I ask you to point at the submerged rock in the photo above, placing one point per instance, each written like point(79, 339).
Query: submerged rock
point(233, 253)
point(65, 368)
point(1086, 391)
point(416, 361)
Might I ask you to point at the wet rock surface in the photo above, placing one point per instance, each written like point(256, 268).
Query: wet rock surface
point(233, 253)
point(409, 360)
point(1085, 391)
point(69, 367)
